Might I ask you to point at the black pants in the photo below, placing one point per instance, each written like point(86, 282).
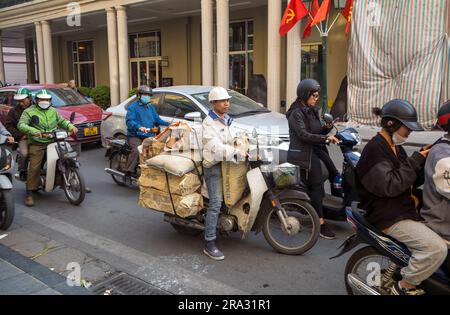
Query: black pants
point(324, 155)
point(314, 182)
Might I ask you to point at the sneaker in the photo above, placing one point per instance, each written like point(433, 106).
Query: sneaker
point(213, 252)
point(397, 290)
point(326, 233)
point(29, 202)
point(88, 190)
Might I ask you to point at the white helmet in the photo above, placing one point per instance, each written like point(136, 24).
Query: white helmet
point(218, 93)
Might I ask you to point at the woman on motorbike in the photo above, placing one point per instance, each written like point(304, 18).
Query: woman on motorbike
point(307, 145)
point(387, 180)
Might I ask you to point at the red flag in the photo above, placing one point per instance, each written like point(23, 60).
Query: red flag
point(322, 13)
point(313, 11)
point(295, 11)
point(347, 13)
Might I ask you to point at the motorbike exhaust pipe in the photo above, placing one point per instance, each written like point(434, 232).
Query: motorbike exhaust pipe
point(359, 286)
point(120, 174)
point(184, 222)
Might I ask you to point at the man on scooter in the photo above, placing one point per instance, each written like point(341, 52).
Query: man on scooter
point(141, 118)
point(49, 121)
point(218, 137)
point(387, 180)
point(436, 190)
point(23, 97)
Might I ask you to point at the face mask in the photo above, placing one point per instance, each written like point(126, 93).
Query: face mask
point(44, 104)
point(398, 139)
point(146, 99)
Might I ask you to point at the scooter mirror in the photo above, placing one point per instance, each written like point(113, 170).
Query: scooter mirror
point(328, 118)
point(35, 120)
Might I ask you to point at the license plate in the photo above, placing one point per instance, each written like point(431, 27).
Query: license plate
point(92, 131)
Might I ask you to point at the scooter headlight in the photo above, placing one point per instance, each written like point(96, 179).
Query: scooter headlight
point(357, 138)
point(61, 135)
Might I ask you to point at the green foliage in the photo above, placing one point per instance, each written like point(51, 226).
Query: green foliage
point(86, 91)
point(101, 96)
point(132, 92)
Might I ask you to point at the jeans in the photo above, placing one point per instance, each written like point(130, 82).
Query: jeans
point(133, 157)
point(314, 182)
point(213, 178)
point(428, 250)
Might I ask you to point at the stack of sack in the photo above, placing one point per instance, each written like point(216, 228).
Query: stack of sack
point(170, 172)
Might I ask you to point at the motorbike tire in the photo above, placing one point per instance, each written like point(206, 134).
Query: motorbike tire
point(113, 162)
point(358, 256)
point(306, 206)
point(7, 209)
point(82, 188)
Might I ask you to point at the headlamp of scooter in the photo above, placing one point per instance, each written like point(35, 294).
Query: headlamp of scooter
point(61, 135)
point(6, 160)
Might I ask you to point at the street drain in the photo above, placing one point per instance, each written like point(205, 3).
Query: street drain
point(124, 284)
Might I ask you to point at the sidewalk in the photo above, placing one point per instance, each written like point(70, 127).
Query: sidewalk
point(416, 139)
point(20, 275)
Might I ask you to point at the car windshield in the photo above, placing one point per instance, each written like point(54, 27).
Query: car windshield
point(240, 105)
point(64, 97)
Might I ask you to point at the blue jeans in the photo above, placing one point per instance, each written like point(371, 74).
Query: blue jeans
point(213, 178)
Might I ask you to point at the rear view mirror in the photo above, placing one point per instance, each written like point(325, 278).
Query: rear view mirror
point(35, 120)
point(193, 116)
point(72, 117)
point(328, 118)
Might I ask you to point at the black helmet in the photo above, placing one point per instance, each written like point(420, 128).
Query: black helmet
point(402, 111)
point(306, 88)
point(144, 89)
point(444, 116)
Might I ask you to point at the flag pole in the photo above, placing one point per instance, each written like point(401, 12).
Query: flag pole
point(319, 29)
point(335, 20)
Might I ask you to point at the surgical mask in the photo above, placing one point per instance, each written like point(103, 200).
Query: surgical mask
point(146, 99)
point(398, 139)
point(44, 104)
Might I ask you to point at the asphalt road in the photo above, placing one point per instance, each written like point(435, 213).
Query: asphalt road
point(110, 226)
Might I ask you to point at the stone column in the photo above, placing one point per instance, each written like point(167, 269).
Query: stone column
point(113, 56)
point(293, 63)
point(48, 51)
point(207, 43)
point(2, 66)
point(40, 52)
point(124, 60)
point(223, 54)
point(273, 56)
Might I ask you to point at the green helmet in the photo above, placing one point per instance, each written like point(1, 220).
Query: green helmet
point(22, 94)
point(43, 94)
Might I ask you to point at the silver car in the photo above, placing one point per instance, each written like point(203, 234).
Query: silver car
point(187, 103)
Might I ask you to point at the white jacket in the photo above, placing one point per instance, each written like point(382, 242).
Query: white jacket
point(218, 140)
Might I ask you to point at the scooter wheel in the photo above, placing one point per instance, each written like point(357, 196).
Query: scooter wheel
point(7, 210)
point(77, 190)
point(114, 164)
point(304, 223)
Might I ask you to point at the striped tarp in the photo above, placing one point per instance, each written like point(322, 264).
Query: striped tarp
point(399, 49)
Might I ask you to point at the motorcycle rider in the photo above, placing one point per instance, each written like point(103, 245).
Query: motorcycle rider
point(24, 99)
point(141, 116)
point(307, 146)
point(218, 137)
point(436, 190)
point(49, 121)
point(387, 179)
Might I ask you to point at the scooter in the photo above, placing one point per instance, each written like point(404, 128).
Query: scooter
point(61, 168)
point(372, 270)
point(6, 195)
point(333, 206)
point(288, 221)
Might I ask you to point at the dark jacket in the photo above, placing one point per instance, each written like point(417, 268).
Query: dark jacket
point(12, 120)
point(306, 133)
point(386, 183)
